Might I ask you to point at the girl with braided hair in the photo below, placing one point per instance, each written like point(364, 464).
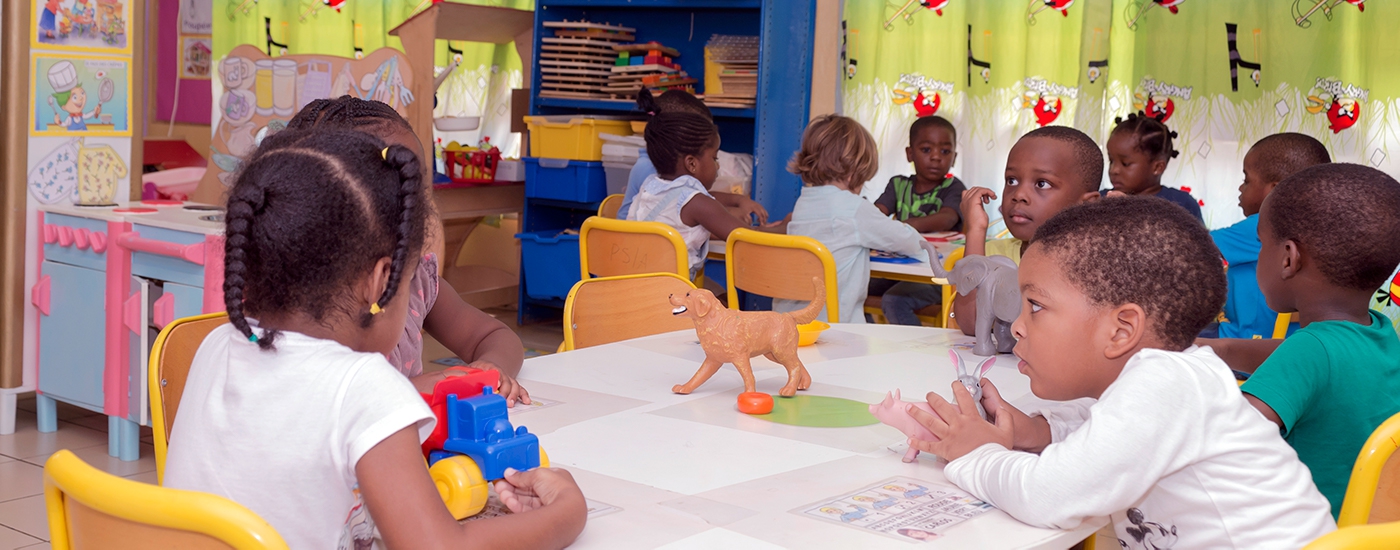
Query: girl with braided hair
point(684, 147)
point(300, 417)
point(481, 340)
point(1138, 152)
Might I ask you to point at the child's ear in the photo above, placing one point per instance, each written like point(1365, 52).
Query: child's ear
point(1292, 260)
point(1159, 166)
point(1089, 196)
point(377, 281)
point(1128, 325)
point(909, 154)
point(692, 164)
point(954, 162)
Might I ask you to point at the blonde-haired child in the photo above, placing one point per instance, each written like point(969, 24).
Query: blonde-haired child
point(836, 159)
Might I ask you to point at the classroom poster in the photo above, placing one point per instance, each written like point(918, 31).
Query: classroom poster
point(902, 508)
point(1222, 74)
point(79, 95)
point(78, 170)
point(81, 25)
point(197, 17)
point(196, 57)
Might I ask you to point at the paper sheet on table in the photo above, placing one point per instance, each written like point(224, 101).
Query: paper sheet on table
point(494, 508)
point(903, 508)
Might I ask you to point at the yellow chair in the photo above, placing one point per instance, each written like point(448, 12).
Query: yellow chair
point(1381, 536)
point(609, 207)
point(779, 266)
point(89, 508)
point(1281, 325)
point(609, 248)
point(603, 310)
point(1373, 493)
point(171, 357)
point(949, 291)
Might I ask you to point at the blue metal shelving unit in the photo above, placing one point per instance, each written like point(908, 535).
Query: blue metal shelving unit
point(771, 131)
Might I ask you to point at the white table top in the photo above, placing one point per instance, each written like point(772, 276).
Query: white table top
point(920, 272)
point(690, 471)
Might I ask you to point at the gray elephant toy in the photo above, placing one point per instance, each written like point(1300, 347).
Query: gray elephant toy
point(998, 296)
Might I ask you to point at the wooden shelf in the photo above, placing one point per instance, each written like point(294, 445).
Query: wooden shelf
point(630, 106)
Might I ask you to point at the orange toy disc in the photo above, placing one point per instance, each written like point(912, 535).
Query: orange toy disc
point(755, 403)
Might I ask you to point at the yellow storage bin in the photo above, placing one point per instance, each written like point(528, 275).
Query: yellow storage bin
point(573, 137)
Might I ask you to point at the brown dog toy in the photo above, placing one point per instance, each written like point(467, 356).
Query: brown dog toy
point(730, 336)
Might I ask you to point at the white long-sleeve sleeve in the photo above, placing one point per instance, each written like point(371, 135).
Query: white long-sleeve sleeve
point(1171, 439)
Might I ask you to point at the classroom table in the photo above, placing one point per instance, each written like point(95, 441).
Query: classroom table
point(912, 272)
point(690, 471)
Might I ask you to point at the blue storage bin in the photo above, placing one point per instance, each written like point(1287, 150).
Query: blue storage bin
point(565, 180)
point(551, 263)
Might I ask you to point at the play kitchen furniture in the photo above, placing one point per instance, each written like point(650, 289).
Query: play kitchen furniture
point(109, 279)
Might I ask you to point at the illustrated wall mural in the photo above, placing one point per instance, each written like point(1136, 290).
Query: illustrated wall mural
point(259, 94)
point(1221, 73)
point(479, 84)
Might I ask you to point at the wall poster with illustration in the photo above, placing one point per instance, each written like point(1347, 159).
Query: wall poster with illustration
point(80, 95)
point(81, 25)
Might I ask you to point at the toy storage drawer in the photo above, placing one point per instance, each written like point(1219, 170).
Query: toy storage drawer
point(550, 263)
point(164, 266)
point(75, 241)
point(573, 137)
point(565, 180)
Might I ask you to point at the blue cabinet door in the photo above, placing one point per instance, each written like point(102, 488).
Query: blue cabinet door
point(189, 300)
point(71, 337)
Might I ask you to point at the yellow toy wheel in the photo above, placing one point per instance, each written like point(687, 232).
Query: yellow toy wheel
point(544, 458)
point(460, 484)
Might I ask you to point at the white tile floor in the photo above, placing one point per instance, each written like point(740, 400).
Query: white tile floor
point(23, 521)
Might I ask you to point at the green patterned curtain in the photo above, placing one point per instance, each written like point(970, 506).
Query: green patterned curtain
point(480, 86)
point(1224, 72)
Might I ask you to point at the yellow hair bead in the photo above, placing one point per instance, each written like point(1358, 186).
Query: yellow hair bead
point(384, 153)
point(374, 309)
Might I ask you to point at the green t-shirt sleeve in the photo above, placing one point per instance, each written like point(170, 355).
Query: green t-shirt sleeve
point(1291, 378)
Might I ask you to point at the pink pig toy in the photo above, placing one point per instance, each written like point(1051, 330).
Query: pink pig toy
point(892, 411)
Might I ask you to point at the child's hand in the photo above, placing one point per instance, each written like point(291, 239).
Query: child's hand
point(510, 389)
point(1031, 433)
point(960, 429)
point(1115, 194)
point(747, 207)
point(973, 213)
point(537, 488)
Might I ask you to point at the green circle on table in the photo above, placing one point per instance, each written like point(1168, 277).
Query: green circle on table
point(817, 411)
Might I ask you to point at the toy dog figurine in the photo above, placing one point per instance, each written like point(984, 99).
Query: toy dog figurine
point(729, 336)
point(998, 296)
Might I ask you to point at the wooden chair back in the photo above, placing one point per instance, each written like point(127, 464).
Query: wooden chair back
point(949, 290)
point(779, 266)
point(603, 310)
point(610, 248)
point(1373, 493)
point(171, 357)
point(89, 508)
point(609, 207)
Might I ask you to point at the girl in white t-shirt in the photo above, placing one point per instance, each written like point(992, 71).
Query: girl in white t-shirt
point(684, 147)
point(292, 409)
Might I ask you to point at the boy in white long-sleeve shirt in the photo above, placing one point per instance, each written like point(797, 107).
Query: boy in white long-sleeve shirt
point(1166, 445)
point(837, 157)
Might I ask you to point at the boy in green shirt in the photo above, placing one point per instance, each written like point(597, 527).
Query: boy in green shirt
point(1328, 236)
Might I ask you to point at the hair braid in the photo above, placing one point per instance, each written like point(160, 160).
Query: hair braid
point(1152, 136)
point(242, 205)
point(406, 164)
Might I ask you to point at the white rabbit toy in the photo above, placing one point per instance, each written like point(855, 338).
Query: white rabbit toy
point(972, 380)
